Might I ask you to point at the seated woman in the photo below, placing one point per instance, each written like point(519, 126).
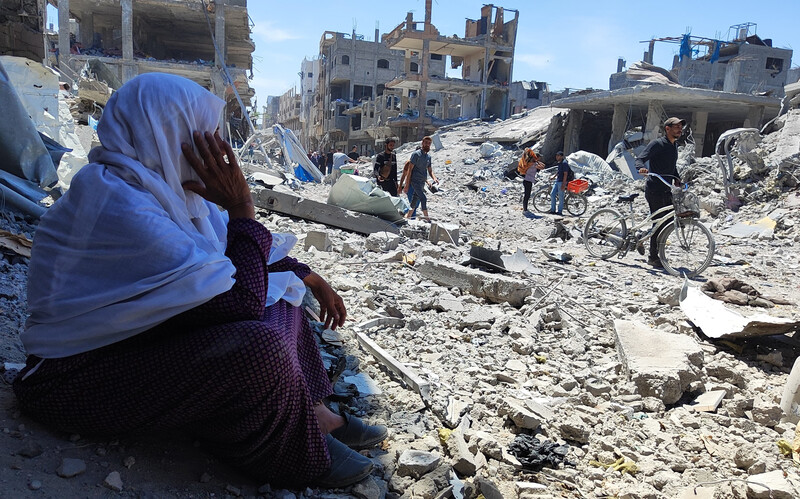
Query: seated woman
point(151, 309)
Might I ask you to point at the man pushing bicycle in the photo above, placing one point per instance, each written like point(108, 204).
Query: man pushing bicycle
point(662, 154)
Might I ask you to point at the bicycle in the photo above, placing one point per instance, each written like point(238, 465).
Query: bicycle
point(685, 246)
point(574, 199)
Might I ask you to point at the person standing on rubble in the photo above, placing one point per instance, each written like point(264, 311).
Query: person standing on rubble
point(418, 176)
point(339, 160)
point(560, 185)
point(385, 169)
point(353, 154)
point(329, 160)
point(153, 310)
point(528, 165)
point(662, 154)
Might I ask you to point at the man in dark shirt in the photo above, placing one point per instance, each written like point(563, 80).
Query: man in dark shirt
point(353, 154)
point(560, 186)
point(662, 154)
point(329, 160)
point(385, 169)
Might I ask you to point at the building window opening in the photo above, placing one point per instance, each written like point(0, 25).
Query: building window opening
point(774, 64)
point(383, 64)
point(436, 57)
point(414, 67)
point(346, 60)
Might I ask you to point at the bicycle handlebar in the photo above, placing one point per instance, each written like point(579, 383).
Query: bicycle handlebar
point(659, 177)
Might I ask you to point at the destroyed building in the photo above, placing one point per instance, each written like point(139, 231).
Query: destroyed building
point(21, 29)
point(130, 38)
point(745, 63)
point(485, 55)
point(738, 83)
point(353, 71)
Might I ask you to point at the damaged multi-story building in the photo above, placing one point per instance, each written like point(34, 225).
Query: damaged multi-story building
point(358, 92)
point(714, 85)
point(485, 55)
point(205, 41)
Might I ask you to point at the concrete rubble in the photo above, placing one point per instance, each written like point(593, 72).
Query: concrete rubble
point(596, 355)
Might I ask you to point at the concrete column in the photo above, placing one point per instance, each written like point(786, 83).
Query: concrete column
point(446, 106)
point(699, 123)
point(128, 67)
point(42, 6)
point(755, 117)
point(422, 101)
point(87, 30)
point(63, 32)
point(219, 34)
point(619, 123)
point(653, 125)
point(484, 79)
point(406, 70)
point(573, 133)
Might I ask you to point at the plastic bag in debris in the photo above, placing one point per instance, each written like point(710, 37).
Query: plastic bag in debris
point(535, 454)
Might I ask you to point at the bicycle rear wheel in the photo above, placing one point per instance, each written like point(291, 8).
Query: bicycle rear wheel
point(576, 204)
point(604, 233)
point(541, 199)
point(686, 247)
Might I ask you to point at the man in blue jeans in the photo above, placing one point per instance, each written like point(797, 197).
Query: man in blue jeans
point(560, 187)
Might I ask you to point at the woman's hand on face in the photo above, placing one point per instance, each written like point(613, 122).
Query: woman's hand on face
point(223, 181)
point(332, 311)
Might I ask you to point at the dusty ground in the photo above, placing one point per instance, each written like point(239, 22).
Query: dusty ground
point(477, 355)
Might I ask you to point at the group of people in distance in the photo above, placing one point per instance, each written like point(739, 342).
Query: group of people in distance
point(413, 178)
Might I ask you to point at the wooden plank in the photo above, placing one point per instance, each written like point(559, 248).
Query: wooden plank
point(323, 213)
point(411, 378)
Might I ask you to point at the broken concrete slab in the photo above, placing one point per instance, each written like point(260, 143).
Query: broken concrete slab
point(416, 463)
point(660, 364)
point(444, 233)
point(318, 239)
point(763, 228)
point(708, 401)
point(333, 216)
point(495, 288)
point(380, 242)
point(717, 321)
point(410, 377)
point(464, 461)
point(772, 485)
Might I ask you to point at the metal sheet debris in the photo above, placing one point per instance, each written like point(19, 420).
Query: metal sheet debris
point(717, 321)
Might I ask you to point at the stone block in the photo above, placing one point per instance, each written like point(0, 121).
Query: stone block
point(777, 483)
point(382, 241)
point(660, 364)
point(464, 461)
point(445, 233)
point(417, 463)
point(319, 240)
point(495, 288)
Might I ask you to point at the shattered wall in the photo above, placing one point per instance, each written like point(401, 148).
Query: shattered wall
point(21, 29)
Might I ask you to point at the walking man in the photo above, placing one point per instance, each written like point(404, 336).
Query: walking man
point(662, 154)
point(385, 169)
point(560, 186)
point(418, 175)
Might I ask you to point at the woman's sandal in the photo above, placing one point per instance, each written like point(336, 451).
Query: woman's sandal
point(347, 466)
point(358, 435)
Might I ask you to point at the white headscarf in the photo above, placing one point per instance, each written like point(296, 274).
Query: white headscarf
point(126, 248)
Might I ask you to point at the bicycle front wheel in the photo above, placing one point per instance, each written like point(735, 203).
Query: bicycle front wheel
point(576, 204)
point(541, 199)
point(605, 233)
point(686, 247)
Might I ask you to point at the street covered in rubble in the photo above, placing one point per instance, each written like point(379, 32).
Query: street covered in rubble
point(506, 360)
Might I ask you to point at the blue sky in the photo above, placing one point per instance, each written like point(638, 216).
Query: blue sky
point(571, 43)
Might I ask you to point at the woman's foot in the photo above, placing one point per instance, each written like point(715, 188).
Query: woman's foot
point(356, 434)
point(347, 466)
point(328, 421)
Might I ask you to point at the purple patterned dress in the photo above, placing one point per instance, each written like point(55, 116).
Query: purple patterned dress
point(241, 378)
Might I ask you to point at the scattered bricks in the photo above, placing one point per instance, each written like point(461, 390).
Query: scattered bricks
point(442, 232)
point(319, 240)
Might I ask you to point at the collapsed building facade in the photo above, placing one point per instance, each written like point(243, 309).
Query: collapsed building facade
point(358, 92)
point(130, 38)
point(738, 83)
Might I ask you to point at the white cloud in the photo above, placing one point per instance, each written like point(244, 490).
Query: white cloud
point(270, 33)
point(538, 61)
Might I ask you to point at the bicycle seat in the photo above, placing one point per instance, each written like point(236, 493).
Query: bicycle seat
point(627, 199)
